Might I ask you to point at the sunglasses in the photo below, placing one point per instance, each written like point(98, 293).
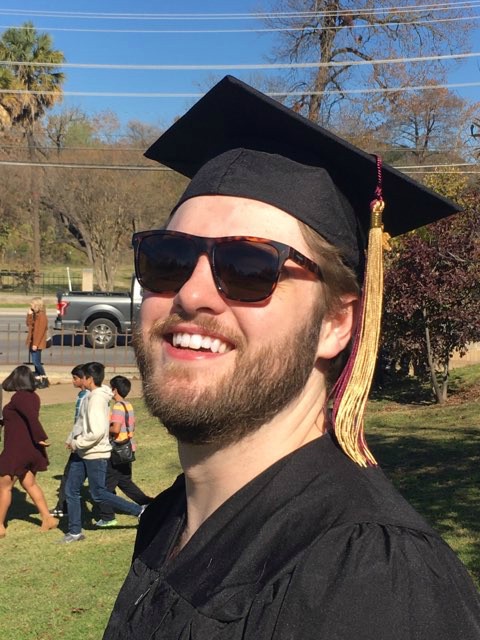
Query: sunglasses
point(244, 269)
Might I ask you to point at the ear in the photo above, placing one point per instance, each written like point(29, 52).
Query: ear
point(337, 330)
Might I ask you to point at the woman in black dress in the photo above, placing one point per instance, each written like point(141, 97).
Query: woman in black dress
point(24, 451)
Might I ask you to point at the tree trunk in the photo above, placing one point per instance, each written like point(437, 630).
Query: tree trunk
point(327, 38)
point(34, 207)
point(431, 364)
point(445, 376)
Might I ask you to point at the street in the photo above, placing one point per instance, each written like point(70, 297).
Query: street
point(66, 349)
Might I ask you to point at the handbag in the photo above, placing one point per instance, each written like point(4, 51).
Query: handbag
point(48, 343)
point(122, 452)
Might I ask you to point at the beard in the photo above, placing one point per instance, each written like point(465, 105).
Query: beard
point(237, 404)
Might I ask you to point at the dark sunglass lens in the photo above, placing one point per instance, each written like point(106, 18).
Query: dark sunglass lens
point(246, 270)
point(164, 263)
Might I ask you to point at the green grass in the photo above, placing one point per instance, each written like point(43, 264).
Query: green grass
point(432, 454)
point(56, 592)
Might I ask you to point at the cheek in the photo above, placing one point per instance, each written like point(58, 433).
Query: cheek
point(264, 324)
point(154, 308)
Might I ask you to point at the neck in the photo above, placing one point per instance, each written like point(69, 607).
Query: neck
point(213, 475)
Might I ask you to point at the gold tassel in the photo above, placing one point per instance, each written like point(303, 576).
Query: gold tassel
point(348, 416)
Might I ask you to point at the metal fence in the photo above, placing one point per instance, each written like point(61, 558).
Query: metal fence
point(25, 282)
point(68, 349)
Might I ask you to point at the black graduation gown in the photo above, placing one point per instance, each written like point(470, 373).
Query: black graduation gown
point(313, 548)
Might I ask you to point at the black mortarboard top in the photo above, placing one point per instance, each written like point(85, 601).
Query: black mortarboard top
point(233, 116)
point(237, 141)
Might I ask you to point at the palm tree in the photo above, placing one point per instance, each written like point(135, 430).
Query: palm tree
point(41, 87)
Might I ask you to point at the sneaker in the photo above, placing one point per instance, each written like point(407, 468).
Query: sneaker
point(57, 513)
point(103, 524)
point(71, 537)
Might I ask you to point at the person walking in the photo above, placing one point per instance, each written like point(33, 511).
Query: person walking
point(89, 442)
point(25, 441)
point(78, 379)
point(119, 474)
point(37, 324)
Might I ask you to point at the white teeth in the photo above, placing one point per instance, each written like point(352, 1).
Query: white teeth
point(215, 346)
point(206, 342)
point(197, 341)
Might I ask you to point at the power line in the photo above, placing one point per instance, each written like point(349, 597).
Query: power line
point(449, 165)
point(76, 165)
point(65, 149)
point(249, 30)
point(118, 167)
point(235, 67)
point(444, 173)
point(273, 94)
point(446, 6)
point(113, 149)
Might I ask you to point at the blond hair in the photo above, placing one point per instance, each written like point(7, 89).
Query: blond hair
point(37, 305)
point(338, 280)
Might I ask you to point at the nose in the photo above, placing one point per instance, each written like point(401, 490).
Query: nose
point(200, 292)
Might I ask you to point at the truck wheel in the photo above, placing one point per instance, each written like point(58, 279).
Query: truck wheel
point(101, 334)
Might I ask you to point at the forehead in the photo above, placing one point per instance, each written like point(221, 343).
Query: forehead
point(216, 216)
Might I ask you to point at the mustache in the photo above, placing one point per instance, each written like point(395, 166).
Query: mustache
point(210, 325)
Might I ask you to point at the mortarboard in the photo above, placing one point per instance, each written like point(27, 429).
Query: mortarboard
point(237, 141)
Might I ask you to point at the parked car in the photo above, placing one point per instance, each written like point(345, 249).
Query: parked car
point(99, 315)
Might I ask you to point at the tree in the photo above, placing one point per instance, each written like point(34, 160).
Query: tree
point(69, 127)
point(427, 322)
point(426, 124)
point(26, 49)
point(475, 133)
point(141, 135)
point(342, 33)
point(96, 211)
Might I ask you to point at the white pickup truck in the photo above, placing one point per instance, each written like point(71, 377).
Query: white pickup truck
point(100, 315)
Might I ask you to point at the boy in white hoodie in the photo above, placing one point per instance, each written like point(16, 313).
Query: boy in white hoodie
point(89, 442)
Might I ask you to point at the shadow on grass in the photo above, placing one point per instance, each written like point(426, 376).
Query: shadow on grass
point(21, 508)
point(441, 479)
point(403, 390)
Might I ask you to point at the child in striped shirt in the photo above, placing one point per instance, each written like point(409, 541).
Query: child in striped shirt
point(122, 427)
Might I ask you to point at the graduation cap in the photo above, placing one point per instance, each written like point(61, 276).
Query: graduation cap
point(237, 141)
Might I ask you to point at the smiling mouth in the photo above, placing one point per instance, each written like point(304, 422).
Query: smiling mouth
point(198, 342)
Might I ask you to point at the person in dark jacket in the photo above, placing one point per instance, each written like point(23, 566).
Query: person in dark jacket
point(24, 450)
point(282, 525)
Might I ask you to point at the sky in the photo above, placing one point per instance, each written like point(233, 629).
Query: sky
point(156, 41)
point(142, 48)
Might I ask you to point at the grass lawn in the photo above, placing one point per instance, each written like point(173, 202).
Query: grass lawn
point(57, 592)
point(66, 592)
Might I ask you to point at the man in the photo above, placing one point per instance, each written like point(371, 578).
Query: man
point(89, 442)
point(282, 526)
